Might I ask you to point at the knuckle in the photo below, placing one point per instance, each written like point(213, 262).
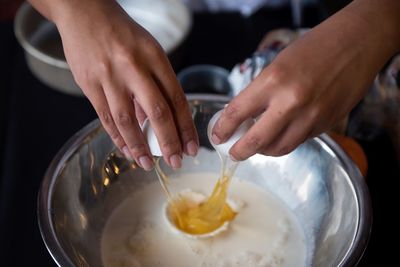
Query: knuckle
point(127, 61)
point(157, 51)
point(231, 112)
point(179, 101)
point(292, 94)
point(122, 52)
point(123, 119)
point(152, 47)
point(187, 133)
point(82, 81)
point(104, 68)
point(254, 142)
point(159, 112)
point(108, 123)
point(105, 117)
point(137, 149)
point(85, 81)
point(115, 136)
point(171, 147)
point(292, 101)
point(298, 95)
point(276, 74)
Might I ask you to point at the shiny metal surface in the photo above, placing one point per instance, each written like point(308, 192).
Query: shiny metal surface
point(87, 180)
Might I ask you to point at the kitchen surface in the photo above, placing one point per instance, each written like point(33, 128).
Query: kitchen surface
point(35, 121)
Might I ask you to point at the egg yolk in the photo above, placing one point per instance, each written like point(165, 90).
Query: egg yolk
point(205, 217)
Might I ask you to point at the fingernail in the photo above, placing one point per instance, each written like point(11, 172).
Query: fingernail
point(126, 152)
point(215, 139)
point(192, 148)
point(146, 162)
point(176, 161)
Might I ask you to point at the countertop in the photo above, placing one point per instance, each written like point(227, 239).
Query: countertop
point(35, 121)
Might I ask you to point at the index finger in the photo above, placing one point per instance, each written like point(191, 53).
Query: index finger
point(248, 103)
point(166, 79)
point(153, 103)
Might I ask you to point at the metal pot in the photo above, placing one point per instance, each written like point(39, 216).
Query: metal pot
point(88, 179)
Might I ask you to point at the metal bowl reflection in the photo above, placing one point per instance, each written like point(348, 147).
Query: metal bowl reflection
point(87, 179)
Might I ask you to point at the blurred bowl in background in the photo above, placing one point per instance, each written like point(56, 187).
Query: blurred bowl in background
point(205, 78)
point(169, 21)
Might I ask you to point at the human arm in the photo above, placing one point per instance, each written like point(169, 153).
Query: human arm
point(126, 76)
point(314, 82)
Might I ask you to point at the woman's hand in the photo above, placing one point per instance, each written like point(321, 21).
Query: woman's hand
point(127, 77)
point(314, 82)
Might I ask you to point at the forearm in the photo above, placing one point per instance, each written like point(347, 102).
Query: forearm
point(358, 39)
point(381, 19)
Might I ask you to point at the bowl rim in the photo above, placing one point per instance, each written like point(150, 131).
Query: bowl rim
point(364, 226)
point(44, 209)
point(24, 41)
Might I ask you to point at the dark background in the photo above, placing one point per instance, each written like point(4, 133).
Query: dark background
point(35, 121)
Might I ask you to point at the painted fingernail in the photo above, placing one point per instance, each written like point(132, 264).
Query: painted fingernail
point(126, 152)
point(216, 140)
point(192, 148)
point(146, 162)
point(176, 161)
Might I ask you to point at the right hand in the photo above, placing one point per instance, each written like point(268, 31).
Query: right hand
point(127, 77)
point(314, 82)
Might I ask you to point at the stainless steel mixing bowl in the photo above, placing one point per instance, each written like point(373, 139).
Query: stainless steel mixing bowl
point(87, 180)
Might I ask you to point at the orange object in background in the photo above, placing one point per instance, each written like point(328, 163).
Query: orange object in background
point(353, 150)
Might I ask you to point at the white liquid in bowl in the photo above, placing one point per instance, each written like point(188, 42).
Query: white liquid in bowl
point(265, 233)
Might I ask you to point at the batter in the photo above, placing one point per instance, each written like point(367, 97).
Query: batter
point(264, 232)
